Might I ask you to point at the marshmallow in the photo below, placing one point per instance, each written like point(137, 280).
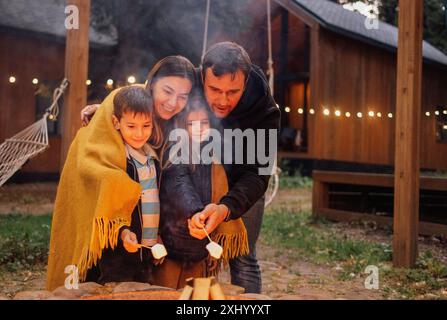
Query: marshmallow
point(214, 249)
point(159, 251)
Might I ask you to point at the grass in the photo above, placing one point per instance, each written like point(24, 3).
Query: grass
point(294, 182)
point(24, 241)
point(316, 241)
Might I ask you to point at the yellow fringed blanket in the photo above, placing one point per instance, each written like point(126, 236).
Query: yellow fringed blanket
point(95, 198)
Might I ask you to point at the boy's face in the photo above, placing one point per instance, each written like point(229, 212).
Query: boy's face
point(223, 93)
point(135, 128)
point(198, 125)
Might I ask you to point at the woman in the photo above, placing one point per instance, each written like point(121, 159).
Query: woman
point(170, 81)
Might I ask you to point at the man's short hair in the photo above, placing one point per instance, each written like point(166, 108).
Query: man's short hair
point(226, 58)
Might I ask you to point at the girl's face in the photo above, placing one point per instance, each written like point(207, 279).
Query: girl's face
point(198, 125)
point(170, 96)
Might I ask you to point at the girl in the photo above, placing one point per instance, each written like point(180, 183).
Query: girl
point(184, 190)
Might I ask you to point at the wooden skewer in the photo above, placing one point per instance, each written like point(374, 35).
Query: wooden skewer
point(207, 234)
point(143, 246)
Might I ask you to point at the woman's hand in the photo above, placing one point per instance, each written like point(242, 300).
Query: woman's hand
point(88, 112)
point(130, 241)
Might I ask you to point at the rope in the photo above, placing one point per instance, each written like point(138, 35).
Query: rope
point(270, 71)
point(29, 142)
point(205, 32)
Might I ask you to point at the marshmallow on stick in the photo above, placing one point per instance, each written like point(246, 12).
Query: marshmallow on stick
point(213, 248)
point(159, 251)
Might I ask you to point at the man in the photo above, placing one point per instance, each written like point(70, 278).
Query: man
point(238, 94)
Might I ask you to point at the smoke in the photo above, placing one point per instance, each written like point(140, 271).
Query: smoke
point(151, 30)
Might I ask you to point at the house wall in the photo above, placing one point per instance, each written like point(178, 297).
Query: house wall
point(28, 57)
point(356, 77)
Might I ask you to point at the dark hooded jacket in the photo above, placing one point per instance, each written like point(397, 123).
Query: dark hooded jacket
point(255, 110)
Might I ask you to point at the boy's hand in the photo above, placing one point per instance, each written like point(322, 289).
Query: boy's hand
point(130, 242)
point(87, 113)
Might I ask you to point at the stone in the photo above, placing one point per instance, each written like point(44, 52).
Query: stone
point(69, 294)
point(4, 298)
point(131, 287)
point(90, 286)
point(231, 289)
point(33, 295)
point(255, 296)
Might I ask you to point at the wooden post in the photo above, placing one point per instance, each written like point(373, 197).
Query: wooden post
point(408, 112)
point(76, 70)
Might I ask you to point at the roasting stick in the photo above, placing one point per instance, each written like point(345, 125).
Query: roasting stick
point(207, 234)
point(143, 246)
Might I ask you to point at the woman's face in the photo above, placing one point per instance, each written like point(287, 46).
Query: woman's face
point(170, 95)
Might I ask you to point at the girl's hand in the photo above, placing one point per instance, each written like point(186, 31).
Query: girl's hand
point(161, 260)
point(212, 263)
point(88, 112)
point(130, 241)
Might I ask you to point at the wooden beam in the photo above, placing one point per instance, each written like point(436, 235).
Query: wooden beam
point(408, 111)
point(76, 70)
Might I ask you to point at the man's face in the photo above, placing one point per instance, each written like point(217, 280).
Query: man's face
point(223, 93)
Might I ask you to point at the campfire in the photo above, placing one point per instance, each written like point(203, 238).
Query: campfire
point(195, 289)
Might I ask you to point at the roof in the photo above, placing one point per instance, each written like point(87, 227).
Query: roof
point(46, 17)
point(334, 17)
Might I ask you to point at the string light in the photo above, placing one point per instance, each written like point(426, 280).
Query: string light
point(88, 82)
point(312, 111)
point(300, 110)
point(437, 112)
point(35, 81)
point(444, 127)
point(359, 115)
point(390, 115)
point(326, 112)
point(110, 82)
point(131, 80)
point(371, 114)
point(287, 109)
point(337, 113)
point(379, 114)
point(427, 113)
point(444, 112)
point(348, 114)
point(12, 79)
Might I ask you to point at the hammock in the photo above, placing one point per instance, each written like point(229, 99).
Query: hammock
point(28, 143)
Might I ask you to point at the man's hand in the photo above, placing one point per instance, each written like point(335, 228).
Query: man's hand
point(87, 113)
point(210, 218)
point(130, 242)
